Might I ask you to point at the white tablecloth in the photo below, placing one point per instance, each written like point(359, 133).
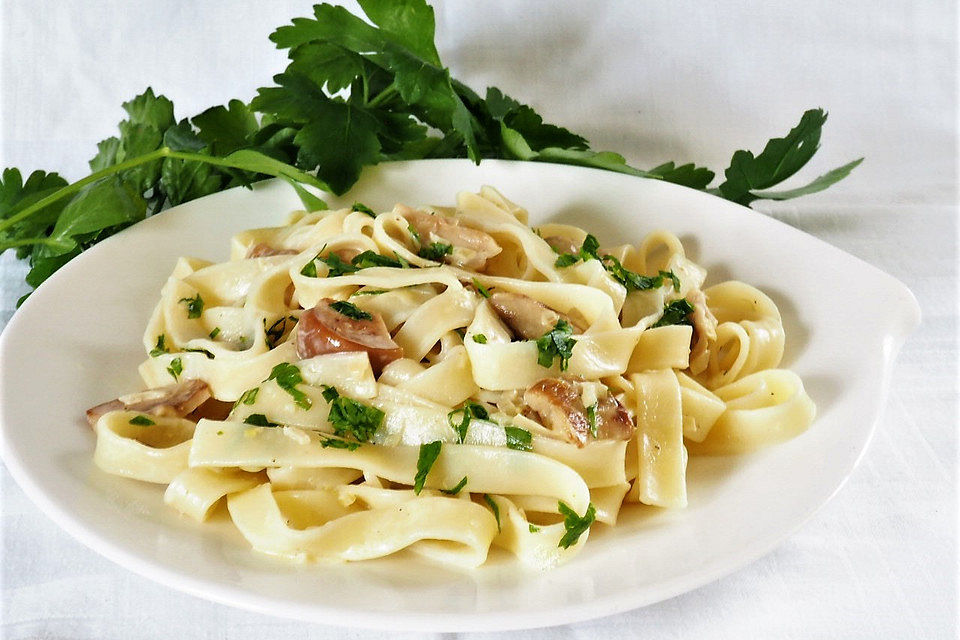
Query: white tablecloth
point(656, 81)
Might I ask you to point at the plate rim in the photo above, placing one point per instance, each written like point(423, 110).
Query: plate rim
point(319, 612)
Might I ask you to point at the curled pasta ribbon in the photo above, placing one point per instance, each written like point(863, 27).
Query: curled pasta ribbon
point(195, 491)
point(154, 452)
point(761, 409)
point(319, 525)
point(749, 333)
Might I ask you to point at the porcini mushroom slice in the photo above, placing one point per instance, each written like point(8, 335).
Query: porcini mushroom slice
point(529, 319)
point(472, 247)
point(559, 405)
point(173, 400)
point(323, 329)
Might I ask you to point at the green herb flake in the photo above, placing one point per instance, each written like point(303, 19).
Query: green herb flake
point(336, 266)
point(556, 343)
point(175, 368)
point(161, 347)
point(479, 338)
point(466, 413)
point(194, 306)
point(519, 439)
point(494, 507)
point(274, 333)
point(352, 418)
point(369, 292)
point(414, 233)
point(259, 420)
point(592, 419)
point(362, 208)
point(330, 393)
point(142, 421)
point(575, 525)
point(456, 490)
point(350, 310)
point(287, 377)
point(369, 259)
point(214, 333)
point(334, 443)
point(534, 528)
point(249, 397)
point(675, 312)
point(435, 251)
point(428, 455)
point(309, 270)
point(482, 289)
point(199, 350)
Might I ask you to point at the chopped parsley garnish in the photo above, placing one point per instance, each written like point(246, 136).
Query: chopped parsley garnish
point(350, 310)
point(142, 421)
point(494, 507)
point(413, 232)
point(556, 343)
point(310, 269)
point(175, 368)
point(592, 419)
point(435, 251)
point(482, 289)
point(199, 350)
point(534, 528)
point(334, 443)
point(479, 338)
point(362, 208)
point(632, 280)
point(161, 347)
point(249, 397)
point(287, 377)
point(369, 259)
point(574, 524)
point(214, 333)
point(259, 420)
point(466, 413)
point(274, 333)
point(194, 306)
point(454, 491)
point(350, 417)
point(404, 263)
point(519, 439)
point(428, 455)
point(368, 292)
point(336, 266)
point(675, 312)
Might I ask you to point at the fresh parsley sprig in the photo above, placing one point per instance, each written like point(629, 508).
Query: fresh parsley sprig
point(556, 343)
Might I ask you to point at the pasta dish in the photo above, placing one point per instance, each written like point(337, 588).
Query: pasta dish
point(442, 380)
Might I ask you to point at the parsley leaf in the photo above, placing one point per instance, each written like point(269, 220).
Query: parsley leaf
point(592, 419)
point(142, 421)
point(368, 292)
point(369, 259)
point(259, 420)
point(362, 208)
point(466, 413)
point(456, 490)
point(350, 310)
point(175, 368)
point(335, 266)
point(435, 251)
point(675, 312)
point(287, 377)
point(482, 289)
point(533, 528)
point(575, 525)
point(519, 439)
point(339, 444)
point(494, 507)
point(214, 333)
point(194, 306)
point(479, 338)
point(161, 347)
point(556, 343)
point(249, 397)
point(350, 417)
point(428, 455)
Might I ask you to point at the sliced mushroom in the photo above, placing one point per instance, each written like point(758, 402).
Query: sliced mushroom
point(562, 244)
point(323, 329)
point(472, 247)
point(558, 402)
point(529, 319)
point(704, 331)
point(262, 250)
point(173, 400)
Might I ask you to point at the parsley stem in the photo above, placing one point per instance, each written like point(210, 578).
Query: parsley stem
point(158, 154)
point(9, 244)
point(383, 96)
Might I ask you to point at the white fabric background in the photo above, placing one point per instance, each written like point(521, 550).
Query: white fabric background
point(655, 81)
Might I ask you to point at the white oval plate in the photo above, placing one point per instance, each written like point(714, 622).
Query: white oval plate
point(76, 342)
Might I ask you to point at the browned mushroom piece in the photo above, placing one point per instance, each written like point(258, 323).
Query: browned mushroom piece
point(262, 250)
point(323, 329)
point(704, 331)
point(472, 247)
point(562, 244)
point(528, 318)
point(173, 400)
point(559, 405)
